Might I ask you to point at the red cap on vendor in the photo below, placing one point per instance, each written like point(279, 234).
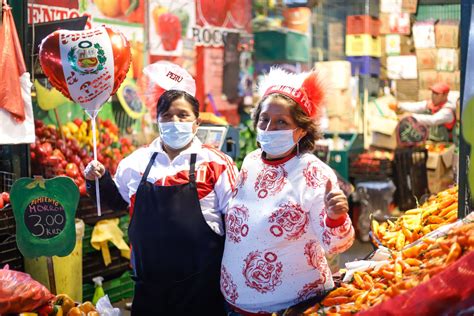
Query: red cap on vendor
point(440, 87)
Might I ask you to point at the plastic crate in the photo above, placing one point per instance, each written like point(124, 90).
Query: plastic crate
point(363, 45)
point(93, 265)
point(364, 65)
point(339, 160)
point(87, 211)
point(9, 253)
point(410, 176)
point(365, 7)
point(7, 221)
point(6, 181)
point(117, 288)
point(371, 83)
point(362, 24)
point(370, 169)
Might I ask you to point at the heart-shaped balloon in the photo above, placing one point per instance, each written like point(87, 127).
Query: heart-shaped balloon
point(86, 66)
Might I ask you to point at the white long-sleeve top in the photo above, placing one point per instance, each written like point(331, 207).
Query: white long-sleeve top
point(216, 174)
point(277, 234)
point(443, 116)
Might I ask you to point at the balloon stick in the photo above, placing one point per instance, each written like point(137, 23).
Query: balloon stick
point(94, 142)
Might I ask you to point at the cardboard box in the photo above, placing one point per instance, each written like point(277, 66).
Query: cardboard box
point(409, 6)
point(338, 102)
point(337, 73)
point(341, 124)
point(427, 58)
point(452, 79)
point(439, 163)
point(336, 35)
point(396, 44)
point(457, 81)
point(392, 44)
point(436, 184)
point(448, 59)
point(384, 133)
point(447, 34)
point(407, 90)
point(395, 23)
point(424, 34)
point(407, 45)
point(424, 94)
point(426, 78)
point(391, 6)
point(402, 67)
point(383, 68)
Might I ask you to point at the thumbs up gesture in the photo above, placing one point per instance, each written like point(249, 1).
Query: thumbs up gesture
point(335, 201)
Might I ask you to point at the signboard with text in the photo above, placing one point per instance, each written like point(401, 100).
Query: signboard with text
point(410, 132)
point(44, 213)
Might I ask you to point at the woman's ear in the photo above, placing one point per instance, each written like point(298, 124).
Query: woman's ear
point(198, 121)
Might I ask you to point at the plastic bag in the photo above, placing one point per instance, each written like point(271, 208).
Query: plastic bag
point(20, 293)
point(450, 292)
point(105, 308)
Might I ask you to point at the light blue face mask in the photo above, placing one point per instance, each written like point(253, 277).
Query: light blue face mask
point(276, 143)
point(176, 134)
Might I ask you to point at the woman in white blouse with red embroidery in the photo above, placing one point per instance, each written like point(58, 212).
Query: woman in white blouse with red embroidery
point(287, 210)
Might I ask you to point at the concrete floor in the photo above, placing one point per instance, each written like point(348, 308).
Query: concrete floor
point(359, 250)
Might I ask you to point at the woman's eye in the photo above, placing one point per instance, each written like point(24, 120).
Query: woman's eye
point(282, 122)
point(183, 115)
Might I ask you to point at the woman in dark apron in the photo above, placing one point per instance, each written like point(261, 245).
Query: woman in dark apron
point(176, 254)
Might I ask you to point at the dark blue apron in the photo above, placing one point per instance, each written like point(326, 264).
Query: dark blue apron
point(177, 256)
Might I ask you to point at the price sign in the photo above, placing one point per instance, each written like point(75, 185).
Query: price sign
point(45, 218)
point(410, 132)
point(44, 213)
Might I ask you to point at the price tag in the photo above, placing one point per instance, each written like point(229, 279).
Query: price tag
point(410, 132)
point(44, 212)
point(45, 218)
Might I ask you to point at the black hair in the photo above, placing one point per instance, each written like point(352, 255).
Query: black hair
point(165, 100)
point(302, 120)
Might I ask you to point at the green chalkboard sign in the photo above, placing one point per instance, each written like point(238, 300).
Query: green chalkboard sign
point(44, 212)
point(410, 132)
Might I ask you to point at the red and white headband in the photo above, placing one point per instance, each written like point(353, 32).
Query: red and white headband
point(305, 88)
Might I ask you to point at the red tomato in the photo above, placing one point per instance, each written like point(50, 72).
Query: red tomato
point(72, 170)
point(5, 197)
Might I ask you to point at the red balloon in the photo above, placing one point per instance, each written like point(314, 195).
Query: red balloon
point(86, 66)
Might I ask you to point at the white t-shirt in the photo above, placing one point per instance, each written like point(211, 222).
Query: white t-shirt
point(277, 234)
point(215, 176)
point(443, 116)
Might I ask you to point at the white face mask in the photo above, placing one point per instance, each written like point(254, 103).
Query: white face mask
point(276, 143)
point(176, 134)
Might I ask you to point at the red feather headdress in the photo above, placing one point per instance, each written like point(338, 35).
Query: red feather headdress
point(306, 89)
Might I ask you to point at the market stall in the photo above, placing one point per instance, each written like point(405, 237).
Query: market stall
point(377, 57)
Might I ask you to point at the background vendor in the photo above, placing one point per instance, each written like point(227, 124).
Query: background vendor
point(439, 114)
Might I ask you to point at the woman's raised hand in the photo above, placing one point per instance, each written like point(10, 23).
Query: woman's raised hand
point(94, 169)
point(336, 202)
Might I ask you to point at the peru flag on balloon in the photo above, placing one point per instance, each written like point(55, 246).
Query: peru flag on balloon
point(86, 66)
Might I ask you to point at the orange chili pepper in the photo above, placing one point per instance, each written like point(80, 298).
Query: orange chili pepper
point(434, 219)
point(413, 262)
point(358, 281)
point(388, 274)
point(340, 291)
point(338, 300)
point(433, 253)
point(398, 271)
point(361, 299)
point(454, 253)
